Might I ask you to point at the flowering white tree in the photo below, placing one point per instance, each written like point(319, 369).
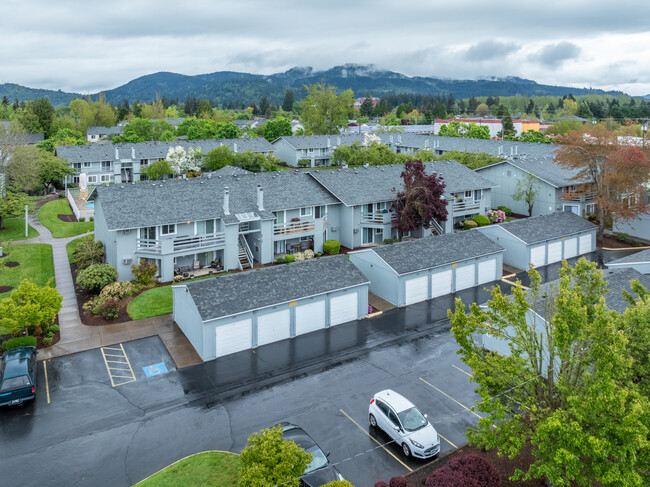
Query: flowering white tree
point(181, 162)
point(369, 139)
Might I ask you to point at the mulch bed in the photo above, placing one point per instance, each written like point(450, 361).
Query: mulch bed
point(67, 218)
point(504, 465)
point(12, 264)
point(4, 289)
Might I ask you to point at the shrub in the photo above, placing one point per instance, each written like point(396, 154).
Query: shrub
point(481, 220)
point(298, 256)
point(468, 224)
point(82, 218)
point(95, 277)
point(309, 254)
point(27, 341)
point(92, 219)
point(622, 237)
point(397, 482)
point(388, 241)
point(143, 273)
point(178, 279)
point(30, 307)
point(88, 252)
point(496, 216)
point(47, 341)
point(381, 483)
point(465, 471)
point(118, 290)
point(505, 209)
point(331, 247)
point(338, 483)
point(53, 328)
point(304, 163)
point(110, 308)
point(289, 258)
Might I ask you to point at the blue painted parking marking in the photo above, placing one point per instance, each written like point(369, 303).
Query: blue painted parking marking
point(155, 369)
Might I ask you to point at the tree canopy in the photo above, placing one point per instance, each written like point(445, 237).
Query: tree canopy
point(273, 129)
point(201, 129)
point(143, 130)
point(325, 112)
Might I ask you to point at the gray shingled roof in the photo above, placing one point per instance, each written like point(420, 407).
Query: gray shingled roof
point(428, 252)
point(546, 227)
point(104, 130)
point(175, 201)
point(320, 141)
point(269, 286)
point(361, 185)
point(642, 257)
point(230, 171)
point(617, 281)
point(155, 149)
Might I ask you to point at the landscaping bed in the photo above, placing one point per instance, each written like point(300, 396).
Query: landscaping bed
point(504, 465)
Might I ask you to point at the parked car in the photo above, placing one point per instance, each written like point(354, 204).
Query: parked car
point(404, 423)
point(320, 471)
point(18, 376)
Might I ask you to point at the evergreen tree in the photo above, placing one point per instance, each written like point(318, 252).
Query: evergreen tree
point(5, 101)
point(451, 104)
point(287, 103)
point(265, 106)
point(531, 107)
point(366, 108)
point(472, 105)
point(381, 108)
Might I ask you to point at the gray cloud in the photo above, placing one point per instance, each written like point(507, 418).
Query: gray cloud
point(553, 55)
point(490, 49)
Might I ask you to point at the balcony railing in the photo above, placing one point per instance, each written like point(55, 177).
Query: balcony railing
point(294, 227)
point(377, 217)
point(578, 196)
point(168, 246)
point(467, 205)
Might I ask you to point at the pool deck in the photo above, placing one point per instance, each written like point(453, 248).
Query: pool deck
point(84, 211)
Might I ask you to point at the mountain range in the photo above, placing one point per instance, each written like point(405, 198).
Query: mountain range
point(226, 87)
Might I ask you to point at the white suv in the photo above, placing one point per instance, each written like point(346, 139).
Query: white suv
point(402, 421)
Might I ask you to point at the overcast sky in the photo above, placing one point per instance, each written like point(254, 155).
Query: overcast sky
point(89, 45)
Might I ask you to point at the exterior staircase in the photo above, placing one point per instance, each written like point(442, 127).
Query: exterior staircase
point(245, 254)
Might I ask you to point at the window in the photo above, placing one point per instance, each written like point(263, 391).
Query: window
point(106, 165)
point(92, 179)
point(382, 407)
point(279, 217)
point(204, 227)
point(105, 178)
point(88, 164)
point(305, 211)
point(319, 212)
point(478, 194)
point(76, 165)
point(379, 231)
point(168, 229)
point(468, 194)
point(311, 150)
point(148, 233)
point(75, 179)
point(393, 418)
point(144, 162)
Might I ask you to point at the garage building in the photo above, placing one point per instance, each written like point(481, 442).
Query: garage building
point(639, 261)
point(228, 314)
point(544, 239)
point(409, 272)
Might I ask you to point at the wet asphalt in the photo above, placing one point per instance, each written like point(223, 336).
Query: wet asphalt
point(92, 433)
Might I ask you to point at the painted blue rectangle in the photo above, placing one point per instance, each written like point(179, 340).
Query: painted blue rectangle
point(155, 369)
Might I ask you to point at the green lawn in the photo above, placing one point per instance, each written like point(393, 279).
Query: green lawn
point(157, 301)
point(14, 229)
point(48, 216)
point(212, 468)
point(36, 263)
point(72, 245)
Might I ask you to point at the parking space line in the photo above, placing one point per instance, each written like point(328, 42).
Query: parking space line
point(117, 372)
point(448, 396)
point(464, 372)
point(375, 440)
point(47, 384)
point(446, 440)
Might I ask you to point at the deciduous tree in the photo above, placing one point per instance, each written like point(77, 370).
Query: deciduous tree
point(30, 307)
point(325, 112)
point(526, 191)
point(617, 172)
point(273, 129)
point(420, 202)
point(12, 205)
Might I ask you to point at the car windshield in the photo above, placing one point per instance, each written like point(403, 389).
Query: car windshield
point(318, 459)
point(11, 383)
point(412, 419)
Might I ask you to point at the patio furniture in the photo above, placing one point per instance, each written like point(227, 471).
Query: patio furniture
point(289, 249)
point(295, 247)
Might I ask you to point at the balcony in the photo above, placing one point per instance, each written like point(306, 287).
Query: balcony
point(188, 242)
point(578, 196)
point(294, 227)
point(377, 217)
point(466, 206)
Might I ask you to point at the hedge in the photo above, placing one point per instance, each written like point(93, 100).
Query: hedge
point(331, 247)
point(468, 224)
point(27, 341)
point(481, 220)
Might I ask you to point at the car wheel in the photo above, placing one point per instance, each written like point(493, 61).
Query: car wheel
point(406, 450)
point(373, 421)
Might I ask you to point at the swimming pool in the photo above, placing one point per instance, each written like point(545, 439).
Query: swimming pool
point(90, 204)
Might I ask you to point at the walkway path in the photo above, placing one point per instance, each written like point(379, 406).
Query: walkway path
point(77, 337)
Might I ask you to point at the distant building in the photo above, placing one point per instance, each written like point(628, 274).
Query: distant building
point(494, 124)
point(359, 101)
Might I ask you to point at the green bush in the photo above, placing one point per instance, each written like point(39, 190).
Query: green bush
point(88, 252)
point(505, 209)
point(27, 341)
point(47, 341)
point(468, 224)
point(388, 241)
point(481, 220)
point(289, 258)
point(280, 260)
point(622, 237)
point(118, 290)
point(53, 328)
point(143, 273)
point(304, 163)
point(82, 218)
point(95, 277)
point(331, 247)
point(92, 219)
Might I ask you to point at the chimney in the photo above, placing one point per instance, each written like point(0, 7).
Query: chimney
point(338, 141)
point(512, 151)
point(399, 139)
point(117, 154)
point(515, 150)
point(226, 201)
point(366, 164)
point(390, 137)
point(328, 142)
point(235, 147)
point(260, 198)
point(133, 153)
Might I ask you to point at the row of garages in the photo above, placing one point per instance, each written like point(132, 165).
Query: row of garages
point(245, 310)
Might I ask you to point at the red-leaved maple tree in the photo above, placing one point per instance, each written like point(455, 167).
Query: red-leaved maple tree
point(421, 201)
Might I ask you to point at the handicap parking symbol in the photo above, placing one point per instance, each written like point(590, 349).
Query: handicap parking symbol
point(155, 369)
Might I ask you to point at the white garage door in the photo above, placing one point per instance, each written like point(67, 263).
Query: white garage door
point(416, 289)
point(465, 277)
point(570, 247)
point(310, 317)
point(440, 283)
point(487, 271)
point(272, 327)
point(554, 252)
point(343, 308)
point(585, 244)
point(538, 255)
point(234, 337)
